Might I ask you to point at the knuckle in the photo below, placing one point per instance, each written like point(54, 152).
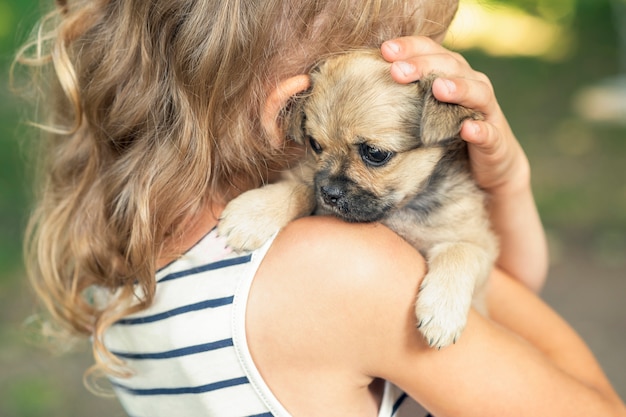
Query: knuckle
point(458, 57)
point(483, 78)
point(425, 40)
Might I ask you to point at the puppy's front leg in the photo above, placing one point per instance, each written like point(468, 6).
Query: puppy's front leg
point(251, 219)
point(455, 272)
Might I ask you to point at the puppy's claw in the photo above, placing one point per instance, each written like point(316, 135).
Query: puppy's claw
point(442, 331)
point(440, 334)
point(424, 322)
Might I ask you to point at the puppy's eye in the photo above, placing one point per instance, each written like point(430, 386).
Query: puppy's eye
point(374, 156)
point(317, 148)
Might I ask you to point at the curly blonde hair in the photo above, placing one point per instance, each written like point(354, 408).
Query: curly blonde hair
point(151, 111)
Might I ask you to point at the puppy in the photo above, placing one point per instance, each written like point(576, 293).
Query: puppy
point(380, 151)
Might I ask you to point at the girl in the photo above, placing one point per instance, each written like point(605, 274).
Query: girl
point(159, 113)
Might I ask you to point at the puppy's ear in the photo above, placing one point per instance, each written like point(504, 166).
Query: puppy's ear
point(440, 121)
point(294, 117)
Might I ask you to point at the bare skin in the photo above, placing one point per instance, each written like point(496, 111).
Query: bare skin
point(339, 298)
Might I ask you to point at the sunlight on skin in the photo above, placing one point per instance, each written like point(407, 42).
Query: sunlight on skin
point(502, 30)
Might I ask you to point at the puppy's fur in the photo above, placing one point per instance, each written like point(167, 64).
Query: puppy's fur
point(388, 152)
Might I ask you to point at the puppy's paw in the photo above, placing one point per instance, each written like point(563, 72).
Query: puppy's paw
point(249, 220)
point(441, 314)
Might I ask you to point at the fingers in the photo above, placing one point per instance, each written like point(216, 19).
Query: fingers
point(413, 69)
point(476, 93)
point(479, 133)
point(498, 162)
point(409, 46)
point(415, 56)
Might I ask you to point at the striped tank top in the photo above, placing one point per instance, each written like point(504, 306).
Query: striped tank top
point(188, 350)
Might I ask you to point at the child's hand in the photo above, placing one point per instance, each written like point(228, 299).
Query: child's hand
point(498, 161)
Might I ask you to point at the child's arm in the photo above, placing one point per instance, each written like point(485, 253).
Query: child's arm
point(498, 161)
point(500, 166)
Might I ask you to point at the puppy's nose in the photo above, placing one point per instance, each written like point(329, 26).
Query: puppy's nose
point(331, 194)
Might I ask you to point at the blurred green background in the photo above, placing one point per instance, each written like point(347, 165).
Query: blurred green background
point(559, 70)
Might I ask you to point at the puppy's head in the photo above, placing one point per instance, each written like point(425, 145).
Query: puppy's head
point(374, 142)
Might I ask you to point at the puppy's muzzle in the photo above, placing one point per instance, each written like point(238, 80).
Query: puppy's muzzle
point(333, 195)
point(349, 202)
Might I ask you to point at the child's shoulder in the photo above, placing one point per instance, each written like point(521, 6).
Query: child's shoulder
point(329, 244)
point(339, 269)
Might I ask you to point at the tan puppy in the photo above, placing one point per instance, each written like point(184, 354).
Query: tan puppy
point(383, 151)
